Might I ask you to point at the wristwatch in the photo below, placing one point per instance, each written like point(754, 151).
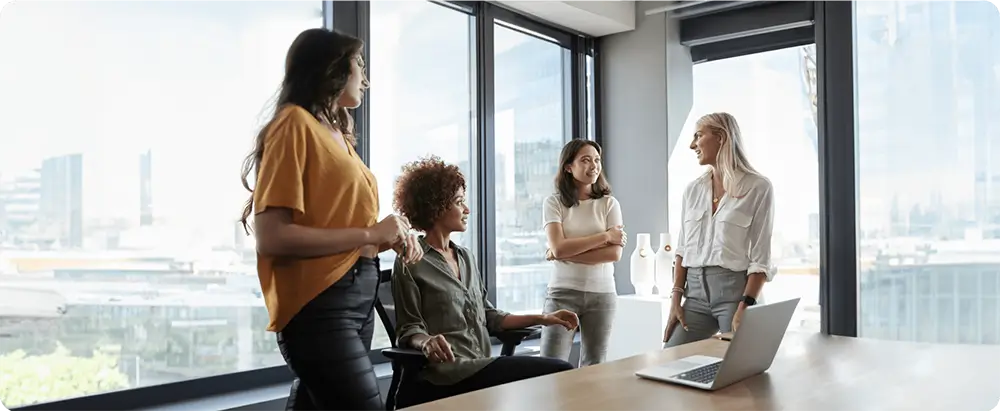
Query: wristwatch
point(749, 301)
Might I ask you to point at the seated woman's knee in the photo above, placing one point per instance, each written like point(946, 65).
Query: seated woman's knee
point(553, 365)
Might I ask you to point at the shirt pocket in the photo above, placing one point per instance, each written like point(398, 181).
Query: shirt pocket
point(445, 311)
point(732, 231)
point(693, 232)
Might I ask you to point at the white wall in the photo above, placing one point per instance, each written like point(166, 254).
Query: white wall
point(646, 99)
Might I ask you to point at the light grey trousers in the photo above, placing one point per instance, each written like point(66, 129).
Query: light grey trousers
point(596, 312)
point(712, 295)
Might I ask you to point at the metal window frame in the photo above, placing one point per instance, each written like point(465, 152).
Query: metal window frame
point(836, 142)
point(353, 17)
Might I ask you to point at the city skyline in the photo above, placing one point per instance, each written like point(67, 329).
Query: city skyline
point(137, 183)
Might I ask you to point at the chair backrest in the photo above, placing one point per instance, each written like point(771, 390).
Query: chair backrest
point(385, 307)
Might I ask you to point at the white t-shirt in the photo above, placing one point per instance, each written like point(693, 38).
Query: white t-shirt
point(590, 217)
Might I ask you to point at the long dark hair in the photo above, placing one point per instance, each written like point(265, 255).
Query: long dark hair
point(317, 69)
point(566, 184)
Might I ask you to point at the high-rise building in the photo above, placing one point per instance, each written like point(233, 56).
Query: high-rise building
point(61, 199)
point(146, 188)
point(19, 203)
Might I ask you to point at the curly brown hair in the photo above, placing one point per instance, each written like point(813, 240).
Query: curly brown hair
point(425, 190)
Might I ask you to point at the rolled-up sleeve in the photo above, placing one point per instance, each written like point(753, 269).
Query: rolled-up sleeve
point(406, 297)
point(760, 234)
point(679, 246)
point(494, 316)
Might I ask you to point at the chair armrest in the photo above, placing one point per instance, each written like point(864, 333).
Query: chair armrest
point(515, 336)
point(405, 356)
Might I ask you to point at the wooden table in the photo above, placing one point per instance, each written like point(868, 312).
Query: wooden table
point(811, 372)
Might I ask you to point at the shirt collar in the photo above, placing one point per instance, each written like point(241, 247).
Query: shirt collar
point(427, 247)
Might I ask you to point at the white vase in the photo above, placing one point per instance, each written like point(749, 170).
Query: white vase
point(643, 266)
point(664, 266)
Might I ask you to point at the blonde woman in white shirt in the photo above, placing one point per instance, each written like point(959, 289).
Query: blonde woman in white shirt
point(724, 246)
point(583, 223)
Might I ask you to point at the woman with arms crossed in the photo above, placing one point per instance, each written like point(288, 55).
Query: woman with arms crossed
point(583, 223)
point(441, 305)
point(724, 245)
point(316, 208)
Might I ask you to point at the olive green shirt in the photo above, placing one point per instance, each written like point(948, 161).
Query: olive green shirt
point(430, 300)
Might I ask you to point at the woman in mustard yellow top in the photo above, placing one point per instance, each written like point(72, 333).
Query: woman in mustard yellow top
point(315, 207)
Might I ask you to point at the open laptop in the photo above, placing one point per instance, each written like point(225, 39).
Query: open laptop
point(750, 352)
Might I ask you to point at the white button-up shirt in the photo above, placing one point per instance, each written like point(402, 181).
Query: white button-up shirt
point(737, 236)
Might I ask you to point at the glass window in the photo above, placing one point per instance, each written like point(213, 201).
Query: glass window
point(772, 96)
point(421, 100)
point(928, 73)
point(125, 125)
point(531, 126)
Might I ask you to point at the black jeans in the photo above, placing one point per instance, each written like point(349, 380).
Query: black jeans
point(501, 371)
point(326, 345)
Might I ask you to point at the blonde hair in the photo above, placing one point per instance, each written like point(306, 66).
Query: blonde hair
point(731, 161)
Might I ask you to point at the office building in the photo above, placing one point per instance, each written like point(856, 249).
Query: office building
point(61, 200)
point(19, 206)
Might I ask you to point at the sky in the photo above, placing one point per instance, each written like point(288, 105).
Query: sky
point(189, 80)
point(192, 82)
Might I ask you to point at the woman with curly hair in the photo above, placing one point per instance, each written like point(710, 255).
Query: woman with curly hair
point(441, 305)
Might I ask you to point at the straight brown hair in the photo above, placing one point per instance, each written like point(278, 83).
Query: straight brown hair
point(566, 184)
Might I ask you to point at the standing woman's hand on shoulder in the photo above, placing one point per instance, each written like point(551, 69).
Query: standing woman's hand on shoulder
point(391, 230)
point(409, 249)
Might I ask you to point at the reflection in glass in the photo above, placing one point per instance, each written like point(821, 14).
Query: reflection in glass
point(928, 146)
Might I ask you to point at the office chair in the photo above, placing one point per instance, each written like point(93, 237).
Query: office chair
point(407, 362)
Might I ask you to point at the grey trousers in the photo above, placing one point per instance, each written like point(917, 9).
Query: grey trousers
point(596, 312)
point(711, 296)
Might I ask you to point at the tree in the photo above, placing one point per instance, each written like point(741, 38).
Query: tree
point(28, 379)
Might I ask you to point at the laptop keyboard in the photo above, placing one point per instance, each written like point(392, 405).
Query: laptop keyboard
point(704, 374)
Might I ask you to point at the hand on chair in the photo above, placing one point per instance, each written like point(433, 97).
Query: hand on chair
point(564, 318)
point(437, 349)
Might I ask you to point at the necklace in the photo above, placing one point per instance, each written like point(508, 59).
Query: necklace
point(715, 200)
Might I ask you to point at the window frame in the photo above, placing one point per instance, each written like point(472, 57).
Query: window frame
point(487, 16)
point(353, 17)
point(836, 137)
